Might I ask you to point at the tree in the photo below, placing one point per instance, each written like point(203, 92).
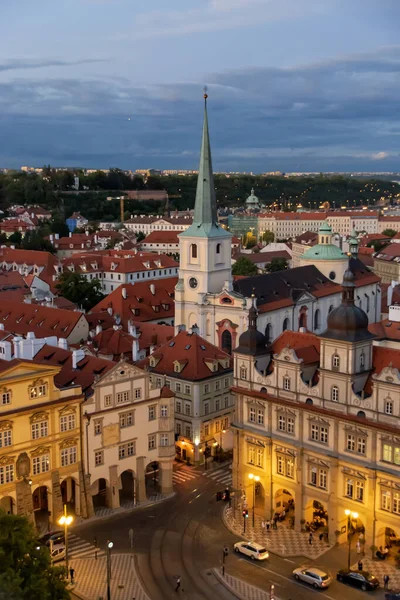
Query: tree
point(34, 241)
point(79, 290)
point(140, 236)
point(268, 237)
point(389, 232)
point(244, 266)
point(15, 238)
point(25, 567)
point(277, 264)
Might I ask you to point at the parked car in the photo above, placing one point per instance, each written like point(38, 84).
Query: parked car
point(361, 579)
point(252, 549)
point(55, 539)
point(392, 595)
point(57, 553)
point(313, 575)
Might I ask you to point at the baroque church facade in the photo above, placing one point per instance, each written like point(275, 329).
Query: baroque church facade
point(208, 297)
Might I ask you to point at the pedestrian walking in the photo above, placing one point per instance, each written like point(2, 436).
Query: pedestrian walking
point(386, 582)
point(268, 523)
point(310, 538)
point(95, 541)
point(178, 583)
point(71, 574)
point(263, 524)
point(358, 546)
point(321, 536)
point(360, 565)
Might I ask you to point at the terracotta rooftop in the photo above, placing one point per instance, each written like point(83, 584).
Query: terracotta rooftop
point(161, 237)
point(118, 262)
point(193, 353)
point(20, 318)
point(389, 253)
point(153, 334)
point(113, 342)
point(372, 237)
point(306, 345)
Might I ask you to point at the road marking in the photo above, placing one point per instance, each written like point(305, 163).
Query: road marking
point(193, 499)
point(193, 491)
point(291, 561)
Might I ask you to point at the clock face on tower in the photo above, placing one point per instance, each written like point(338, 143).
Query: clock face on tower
point(193, 283)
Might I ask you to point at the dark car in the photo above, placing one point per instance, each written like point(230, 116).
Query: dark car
point(392, 595)
point(54, 538)
point(361, 579)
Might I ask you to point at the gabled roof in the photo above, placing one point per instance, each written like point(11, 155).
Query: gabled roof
point(84, 375)
point(161, 237)
point(153, 334)
point(113, 342)
point(138, 303)
point(193, 353)
point(44, 321)
point(118, 262)
point(306, 345)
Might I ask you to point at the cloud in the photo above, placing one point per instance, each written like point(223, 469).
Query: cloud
point(23, 64)
point(332, 114)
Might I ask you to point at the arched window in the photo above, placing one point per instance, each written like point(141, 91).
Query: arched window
point(309, 401)
point(362, 361)
point(218, 248)
point(335, 362)
point(263, 390)
point(317, 319)
point(194, 250)
point(268, 332)
point(286, 383)
point(243, 373)
point(366, 303)
point(285, 324)
point(226, 341)
point(361, 414)
point(322, 240)
point(335, 394)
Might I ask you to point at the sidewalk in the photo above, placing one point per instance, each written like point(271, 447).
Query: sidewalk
point(241, 589)
point(91, 578)
point(282, 541)
point(379, 568)
point(107, 513)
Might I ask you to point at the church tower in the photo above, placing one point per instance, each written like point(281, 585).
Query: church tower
point(205, 247)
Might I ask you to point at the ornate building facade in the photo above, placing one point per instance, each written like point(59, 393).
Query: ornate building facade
point(317, 420)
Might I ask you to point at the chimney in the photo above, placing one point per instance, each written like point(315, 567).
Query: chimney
point(63, 344)
point(57, 236)
point(1, 326)
point(51, 236)
point(132, 329)
point(390, 292)
point(16, 340)
point(303, 329)
point(77, 356)
point(195, 329)
point(86, 233)
point(70, 234)
point(123, 292)
point(5, 350)
point(153, 289)
point(135, 350)
point(110, 311)
point(99, 329)
point(152, 348)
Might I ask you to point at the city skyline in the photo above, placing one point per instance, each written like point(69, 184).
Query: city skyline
point(291, 88)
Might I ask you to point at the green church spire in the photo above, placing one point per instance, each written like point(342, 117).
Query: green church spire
point(205, 220)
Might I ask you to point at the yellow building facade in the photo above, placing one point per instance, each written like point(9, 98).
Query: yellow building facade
point(40, 444)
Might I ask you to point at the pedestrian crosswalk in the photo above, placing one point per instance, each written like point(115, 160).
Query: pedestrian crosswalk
point(79, 548)
point(184, 474)
point(223, 475)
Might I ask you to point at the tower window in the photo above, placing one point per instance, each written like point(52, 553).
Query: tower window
point(335, 394)
point(362, 361)
point(194, 250)
point(218, 248)
point(335, 362)
point(317, 319)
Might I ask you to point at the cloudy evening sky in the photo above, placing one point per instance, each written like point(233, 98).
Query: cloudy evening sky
point(293, 84)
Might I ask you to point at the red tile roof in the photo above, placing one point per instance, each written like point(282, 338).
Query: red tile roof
point(306, 345)
point(118, 262)
point(31, 258)
point(386, 330)
point(193, 352)
point(113, 342)
point(389, 253)
point(74, 241)
point(20, 318)
point(372, 237)
point(161, 237)
point(153, 334)
point(264, 257)
point(84, 375)
point(140, 303)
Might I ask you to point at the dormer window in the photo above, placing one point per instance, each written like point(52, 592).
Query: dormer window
point(113, 266)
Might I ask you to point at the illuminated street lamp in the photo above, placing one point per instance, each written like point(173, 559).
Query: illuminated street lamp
point(350, 515)
point(109, 548)
point(66, 520)
point(254, 479)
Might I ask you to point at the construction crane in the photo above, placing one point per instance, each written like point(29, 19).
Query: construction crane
point(123, 198)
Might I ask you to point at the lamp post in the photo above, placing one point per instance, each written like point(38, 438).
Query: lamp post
point(109, 548)
point(254, 479)
point(66, 520)
point(350, 515)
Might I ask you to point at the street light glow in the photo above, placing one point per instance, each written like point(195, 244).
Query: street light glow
point(110, 545)
point(66, 520)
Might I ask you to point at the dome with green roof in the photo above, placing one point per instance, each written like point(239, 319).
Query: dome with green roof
point(252, 200)
point(324, 250)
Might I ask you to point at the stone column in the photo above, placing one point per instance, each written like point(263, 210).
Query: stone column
point(299, 500)
point(113, 491)
point(268, 508)
point(166, 477)
point(334, 519)
point(24, 503)
point(140, 480)
point(57, 508)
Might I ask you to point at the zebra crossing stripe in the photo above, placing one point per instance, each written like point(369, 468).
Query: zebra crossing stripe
point(216, 471)
point(216, 475)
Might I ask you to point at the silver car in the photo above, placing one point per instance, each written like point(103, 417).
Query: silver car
point(314, 576)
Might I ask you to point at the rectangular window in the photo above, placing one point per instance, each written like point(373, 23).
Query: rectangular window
point(178, 428)
point(164, 411)
point(396, 502)
point(351, 442)
point(360, 491)
point(5, 438)
point(164, 439)
point(349, 488)
point(98, 458)
point(152, 442)
point(39, 430)
point(126, 419)
point(67, 422)
point(315, 433)
point(6, 474)
point(123, 397)
point(206, 408)
point(260, 416)
point(217, 426)
point(226, 401)
point(187, 410)
point(252, 455)
point(282, 423)
point(68, 456)
point(361, 444)
point(177, 387)
point(290, 468)
point(323, 477)
point(178, 406)
point(286, 423)
point(217, 386)
point(206, 430)
point(40, 464)
point(324, 435)
point(107, 400)
point(290, 424)
point(6, 398)
point(152, 413)
point(252, 414)
point(138, 393)
point(131, 448)
point(386, 500)
point(313, 476)
point(226, 382)
point(280, 466)
point(260, 457)
point(387, 453)
point(187, 389)
point(188, 431)
point(98, 427)
point(217, 404)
